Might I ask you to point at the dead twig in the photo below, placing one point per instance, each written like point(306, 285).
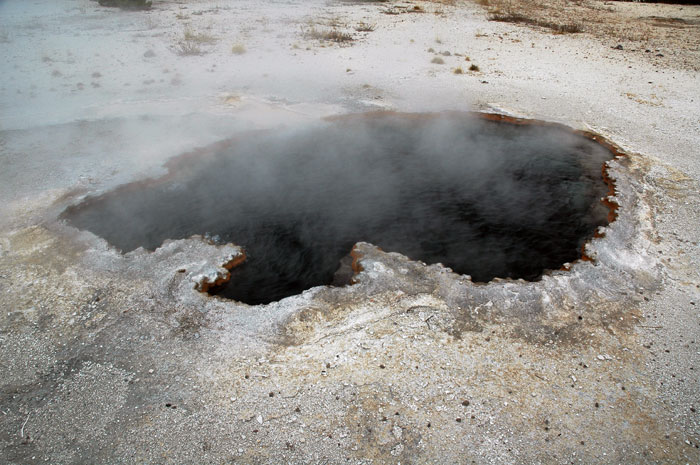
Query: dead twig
point(21, 431)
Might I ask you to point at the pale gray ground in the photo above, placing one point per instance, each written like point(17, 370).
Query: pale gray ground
point(107, 358)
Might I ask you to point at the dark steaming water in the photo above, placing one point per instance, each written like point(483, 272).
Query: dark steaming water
point(486, 198)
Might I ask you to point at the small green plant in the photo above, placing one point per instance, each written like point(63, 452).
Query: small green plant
point(474, 68)
point(238, 49)
point(458, 70)
point(438, 61)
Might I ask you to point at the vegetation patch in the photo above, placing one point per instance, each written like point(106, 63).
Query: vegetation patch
point(238, 49)
point(640, 26)
point(568, 28)
point(330, 35)
point(198, 37)
point(192, 43)
point(365, 27)
point(185, 48)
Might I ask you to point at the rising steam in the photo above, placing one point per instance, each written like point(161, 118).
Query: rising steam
point(485, 198)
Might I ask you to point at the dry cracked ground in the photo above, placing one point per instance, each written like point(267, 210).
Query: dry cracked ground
point(117, 358)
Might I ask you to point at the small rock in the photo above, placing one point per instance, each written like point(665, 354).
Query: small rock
point(260, 419)
point(617, 47)
point(149, 54)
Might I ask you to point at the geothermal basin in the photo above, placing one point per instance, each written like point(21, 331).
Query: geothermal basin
point(486, 197)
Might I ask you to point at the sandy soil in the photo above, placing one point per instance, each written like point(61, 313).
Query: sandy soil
point(111, 358)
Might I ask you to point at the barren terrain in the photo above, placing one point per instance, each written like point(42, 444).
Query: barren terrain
point(116, 358)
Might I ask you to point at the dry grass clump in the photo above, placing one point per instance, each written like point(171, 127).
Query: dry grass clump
point(127, 4)
point(192, 41)
point(330, 35)
point(365, 27)
point(238, 49)
point(198, 37)
point(519, 18)
point(553, 15)
point(185, 48)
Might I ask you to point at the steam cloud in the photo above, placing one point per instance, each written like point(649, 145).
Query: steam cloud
point(485, 198)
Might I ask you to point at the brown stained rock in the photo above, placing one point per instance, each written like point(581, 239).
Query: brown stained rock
point(215, 277)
